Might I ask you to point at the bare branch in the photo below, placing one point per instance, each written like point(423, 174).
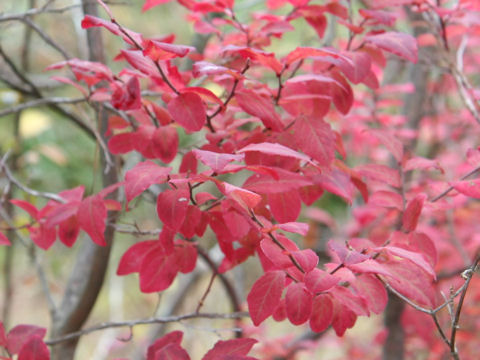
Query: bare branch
point(17, 183)
point(152, 320)
point(40, 102)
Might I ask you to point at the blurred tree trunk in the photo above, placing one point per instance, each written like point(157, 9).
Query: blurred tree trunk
point(88, 274)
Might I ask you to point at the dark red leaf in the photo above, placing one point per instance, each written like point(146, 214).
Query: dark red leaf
point(157, 271)
point(68, 231)
point(265, 295)
point(259, 106)
point(174, 337)
point(172, 207)
point(412, 213)
point(230, 347)
point(91, 216)
point(298, 303)
point(285, 206)
point(322, 313)
point(315, 138)
point(131, 260)
point(34, 349)
point(127, 97)
point(187, 109)
point(21, 334)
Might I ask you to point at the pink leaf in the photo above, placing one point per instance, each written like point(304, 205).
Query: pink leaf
point(229, 347)
point(4, 240)
point(412, 213)
point(246, 198)
point(369, 266)
point(467, 187)
point(20, 334)
point(315, 138)
point(68, 231)
point(390, 142)
point(380, 173)
point(387, 199)
point(172, 207)
point(346, 256)
point(276, 254)
point(187, 109)
point(127, 97)
point(24, 205)
point(91, 216)
point(158, 50)
point(322, 313)
point(373, 291)
point(285, 181)
point(274, 149)
point(265, 295)
point(412, 256)
point(34, 349)
point(351, 301)
point(142, 176)
point(294, 227)
point(401, 44)
point(216, 161)
point(298, 303)
point(307, 259)
point(259, 106)
point(319, 281)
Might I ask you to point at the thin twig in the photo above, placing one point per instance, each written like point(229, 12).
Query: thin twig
point(24, 188)
point(152, 320)
point(450, 188)
point(40, 102)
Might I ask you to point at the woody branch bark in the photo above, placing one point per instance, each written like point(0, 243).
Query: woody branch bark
point(86, 279)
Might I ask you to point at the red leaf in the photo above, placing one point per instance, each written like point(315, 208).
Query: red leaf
point(373, 291)
point(343, 319)
point(412, 213)
point(346, 256)
point(315, 138)
point(165, 143)
point(157, 271)
point(401, 44)
point(259, 106)
point(186, 254)
point(229, 347)
point(158, 50)
point(322, 313)
point(131, 260)
point(285, 181)
point(285, 206)
point(298, 303)
point(3, 336)
point(4, 240)
point(68, 231)
point(351, 301)
point(20, 334)
point(306, 258)
point(172, 207)
point(24, 205)
point(92, 21)
point(91, 216)
point(43, 236)
point(276, 254)
point(421, 163)
point(187, 109)
point(369, 266)
point(127, 97)
point(411, 281)
point(216, 161)
point(142, 176)
point(204, 93)
point(264, 58)
point(319, 281)
point(467, 187)
point(151, 3)
point(306, 52)
point(336, 182)
point(174, 337)
point(34, 349)
point(265, 295)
